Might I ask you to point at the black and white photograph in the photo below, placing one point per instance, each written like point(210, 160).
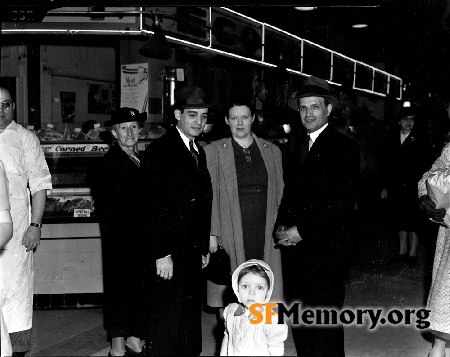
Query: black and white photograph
point(236, 179)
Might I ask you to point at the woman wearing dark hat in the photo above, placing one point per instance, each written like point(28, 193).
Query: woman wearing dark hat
point(407, 159)
point(116, 189)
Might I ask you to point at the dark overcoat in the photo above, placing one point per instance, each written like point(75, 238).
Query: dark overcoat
point(115, 188)
point(319, 197)
point(177, 220)
point(405, 164)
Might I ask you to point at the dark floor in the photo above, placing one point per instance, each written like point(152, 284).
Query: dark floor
point(372, 283)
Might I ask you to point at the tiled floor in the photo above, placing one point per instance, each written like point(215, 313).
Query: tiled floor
point(373, 283)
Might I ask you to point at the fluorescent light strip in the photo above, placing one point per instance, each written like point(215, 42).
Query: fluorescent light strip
point(210, 30)
point(293, 71)
point(242, 15)
point(328, 50)
point(332, 66)
point(222, 52)
point(297, 72)
point(72, 32)
point(285, 32)
point(373, 80)
point(302, 52)
point(263, 52)
point(334, 83)
point(264, 25)
point(369, 91)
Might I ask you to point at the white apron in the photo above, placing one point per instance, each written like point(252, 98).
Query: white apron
point(16, 265)
point(6, 348)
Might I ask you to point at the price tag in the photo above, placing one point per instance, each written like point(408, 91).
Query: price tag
point(81, 212)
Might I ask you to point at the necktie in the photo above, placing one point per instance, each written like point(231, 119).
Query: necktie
point(305, 146)
point(136, 160)
point(193, 152)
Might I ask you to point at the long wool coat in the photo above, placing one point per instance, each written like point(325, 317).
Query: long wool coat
point(116, 190)
point(405, 164)
point(226, 220)
point(177, 195)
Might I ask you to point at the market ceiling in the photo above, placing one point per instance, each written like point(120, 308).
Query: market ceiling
point(412, 37)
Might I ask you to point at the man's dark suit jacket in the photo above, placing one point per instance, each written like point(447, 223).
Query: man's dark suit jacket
point(319, 198)
point(177, 197)
point(320, 195)
point(177, 214)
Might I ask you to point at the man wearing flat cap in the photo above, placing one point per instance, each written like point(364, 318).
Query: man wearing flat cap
point(178, 197)
point(312, 221)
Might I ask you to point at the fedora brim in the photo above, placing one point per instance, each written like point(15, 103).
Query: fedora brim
point(141, 117)
point(293, 102)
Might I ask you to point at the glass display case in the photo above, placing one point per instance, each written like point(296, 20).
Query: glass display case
point(68, 262)
point(71, 165)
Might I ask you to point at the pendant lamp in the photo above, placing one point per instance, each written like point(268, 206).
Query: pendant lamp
point(157, 46)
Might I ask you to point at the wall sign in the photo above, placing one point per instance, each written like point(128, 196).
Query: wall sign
point(134, 86)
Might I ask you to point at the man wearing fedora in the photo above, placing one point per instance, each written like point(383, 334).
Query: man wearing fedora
point(177, 195)
point(312, 221)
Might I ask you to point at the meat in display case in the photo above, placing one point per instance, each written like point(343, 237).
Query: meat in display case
point(71, 166)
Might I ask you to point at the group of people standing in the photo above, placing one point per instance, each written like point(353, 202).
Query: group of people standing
point(164, 214)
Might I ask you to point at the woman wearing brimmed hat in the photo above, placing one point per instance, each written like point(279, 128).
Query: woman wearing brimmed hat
point(116, 191)
point(407, 158)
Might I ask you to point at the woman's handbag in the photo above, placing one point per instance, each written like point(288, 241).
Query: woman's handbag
point(219, 269)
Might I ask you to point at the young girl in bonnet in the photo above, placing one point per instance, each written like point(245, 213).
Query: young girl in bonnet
point(252, 283)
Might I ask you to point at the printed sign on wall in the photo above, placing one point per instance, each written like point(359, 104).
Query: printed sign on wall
point(134, 86)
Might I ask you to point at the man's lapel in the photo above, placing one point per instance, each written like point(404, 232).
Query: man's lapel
point(183, 152)
point(322, 142)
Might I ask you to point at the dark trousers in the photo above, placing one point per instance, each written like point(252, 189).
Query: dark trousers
point(175, 309)
point(318, 284)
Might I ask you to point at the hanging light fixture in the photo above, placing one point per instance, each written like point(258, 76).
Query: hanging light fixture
point(305, 8)
point(157, 46)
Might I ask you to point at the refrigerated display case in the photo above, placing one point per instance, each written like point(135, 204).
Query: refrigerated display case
point(68, 262)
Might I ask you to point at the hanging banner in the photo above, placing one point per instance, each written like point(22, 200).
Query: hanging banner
point(134, 86)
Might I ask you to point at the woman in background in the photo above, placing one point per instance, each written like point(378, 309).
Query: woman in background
point(408, 157)
point(247, 180)
point(6, 232)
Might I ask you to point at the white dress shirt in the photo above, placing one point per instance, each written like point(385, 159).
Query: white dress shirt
point(403, 137)
point(186, 140)
point(313, 136)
